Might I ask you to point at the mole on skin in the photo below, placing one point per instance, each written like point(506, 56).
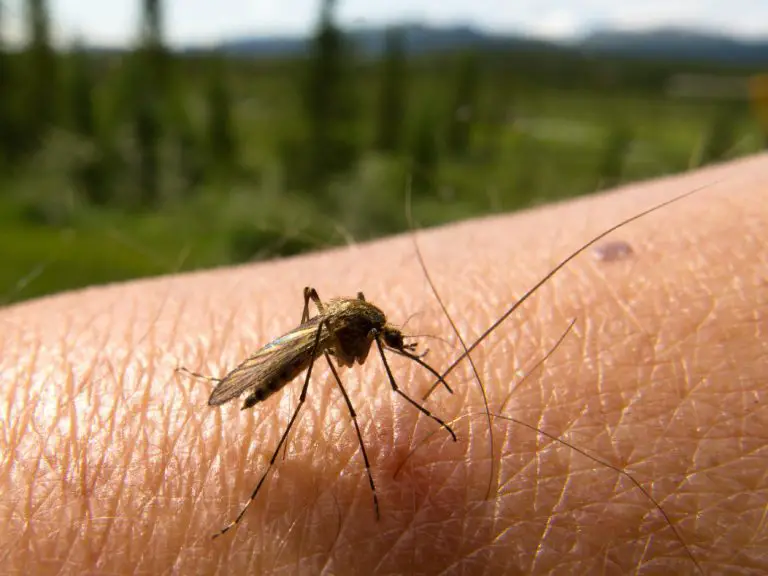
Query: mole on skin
point(612, 251)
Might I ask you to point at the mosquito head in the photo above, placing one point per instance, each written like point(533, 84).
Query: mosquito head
point(393, 338)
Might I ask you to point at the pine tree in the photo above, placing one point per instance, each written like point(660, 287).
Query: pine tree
point(720, 136)
point(424, 154)
point(392, 95)
point(81, 93)
point(91, 173)
point(463, 106)
point(40, 74)
point(7, 119)
point(222, 142)
point(330, 104)
point(615, 153)
point(148, 133)
point(152, 76)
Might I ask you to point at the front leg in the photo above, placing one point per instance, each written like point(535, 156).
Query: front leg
point(335, 348)
point(311, 294)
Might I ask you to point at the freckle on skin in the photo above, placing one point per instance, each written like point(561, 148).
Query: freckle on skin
point(612, 251)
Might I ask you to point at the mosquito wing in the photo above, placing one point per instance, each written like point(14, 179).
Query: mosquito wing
point(279, 361)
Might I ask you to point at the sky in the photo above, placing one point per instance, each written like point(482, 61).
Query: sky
point(114, 22)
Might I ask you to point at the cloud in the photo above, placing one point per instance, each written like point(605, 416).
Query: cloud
point(556, 25)
point(193, 21)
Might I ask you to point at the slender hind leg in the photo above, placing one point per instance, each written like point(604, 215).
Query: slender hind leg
point(302, 398)
point(197, 375)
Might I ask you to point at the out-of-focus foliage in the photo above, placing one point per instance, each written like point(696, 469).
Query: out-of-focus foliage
point(121, 164)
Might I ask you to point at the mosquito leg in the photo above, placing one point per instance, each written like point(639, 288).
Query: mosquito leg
point(404, 395)
point(359, 434)
point(304, 317)
point(417, 358)
point(305, 311)
point(302, 398)
point(197, 374)
point(311, 294)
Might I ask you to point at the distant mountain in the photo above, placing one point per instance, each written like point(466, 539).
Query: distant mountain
point(263, 47)
point(662, 44)
point(678, 44)
point(370, 42)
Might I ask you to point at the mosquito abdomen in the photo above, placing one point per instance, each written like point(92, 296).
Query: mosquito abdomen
point(268, 387)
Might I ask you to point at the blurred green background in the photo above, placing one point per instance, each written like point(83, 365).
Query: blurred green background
point(116, 164)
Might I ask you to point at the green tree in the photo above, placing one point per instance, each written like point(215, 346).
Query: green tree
point(40, 74)
point(330, 104)
point(189, 142)
point(81, 89)
point(148, 134)
point(392, 92)
point(191, 156)
point(222, 142)
point(7, 119)
point(720, 136)
point(615, 152)
point(91, 171)
point(152, 77)
point(152, 26)
point(463, 105)
point(424, 153)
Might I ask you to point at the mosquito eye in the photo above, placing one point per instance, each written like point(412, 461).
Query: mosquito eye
point(393, 339)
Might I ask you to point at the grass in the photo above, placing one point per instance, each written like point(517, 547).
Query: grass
point(543, 145)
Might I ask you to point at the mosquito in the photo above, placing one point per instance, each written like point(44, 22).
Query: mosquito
point(344, 328)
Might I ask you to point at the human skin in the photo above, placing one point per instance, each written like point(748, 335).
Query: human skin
point(114, 463)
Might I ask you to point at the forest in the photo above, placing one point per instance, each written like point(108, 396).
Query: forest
point(116, 164)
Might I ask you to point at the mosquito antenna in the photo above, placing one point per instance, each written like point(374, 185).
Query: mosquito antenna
point(431, 337)
point(409, 319)
point(555, 270)
point(409, 217)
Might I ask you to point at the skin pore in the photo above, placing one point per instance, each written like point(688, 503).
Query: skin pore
point(112, 462)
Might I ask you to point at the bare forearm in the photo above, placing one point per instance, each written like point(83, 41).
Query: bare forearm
point(111, 460)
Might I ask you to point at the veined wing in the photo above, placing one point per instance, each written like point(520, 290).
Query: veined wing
point(271, 361)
